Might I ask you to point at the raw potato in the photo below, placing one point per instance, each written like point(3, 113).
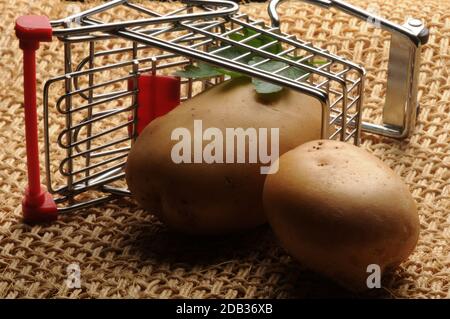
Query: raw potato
point(215, 198)
point(337, 209)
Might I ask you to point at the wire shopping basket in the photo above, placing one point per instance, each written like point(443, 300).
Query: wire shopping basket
point(122, 78)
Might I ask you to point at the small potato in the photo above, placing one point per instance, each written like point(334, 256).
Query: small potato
point(338, 209)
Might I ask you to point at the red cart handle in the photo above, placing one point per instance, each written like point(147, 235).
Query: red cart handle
point(37, 205)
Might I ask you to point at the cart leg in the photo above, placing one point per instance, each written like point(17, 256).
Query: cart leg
point(157, 95)
point(37, 205)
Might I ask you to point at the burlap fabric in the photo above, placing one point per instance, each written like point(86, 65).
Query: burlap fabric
point(123, 251)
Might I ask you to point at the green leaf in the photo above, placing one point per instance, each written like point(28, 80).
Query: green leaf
point(263, 87)
point(232, 53)
point(199, 71)
point(236, 36)
point(229, 54)
point(204, 70)
point(258, 41)
point(230, 73)
point(272, 66)
point(293, 72)
point(318, 62)
point(313, 63)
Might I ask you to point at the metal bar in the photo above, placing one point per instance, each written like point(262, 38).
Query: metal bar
point(307, 46)
point(231, 8)
point(112, 152)
point(93, 166)
point(108, 175)
point(103, 96)
point(97, 117)
point(83, 205)
point(120, 94)
point(100, 154)
point(359, 110)
point(399, 111)
point(116, 191)
point(88, 139)
point(135, 72)
point(141, 9)
point(78, 16)
point(90, 100)
point(68, 88)
point(96, 177)
point(338, 131)
point(96, 69)
point(264, 53)
point(46, 116)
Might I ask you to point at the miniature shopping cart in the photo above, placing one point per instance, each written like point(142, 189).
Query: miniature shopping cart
point(99, 104)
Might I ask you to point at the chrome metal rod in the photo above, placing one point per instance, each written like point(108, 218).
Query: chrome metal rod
point(89, 108)
point(96, 177)
point(68, 88)
point(78, 206)
point(400, 109)
point(96, 165)
point(231, 8)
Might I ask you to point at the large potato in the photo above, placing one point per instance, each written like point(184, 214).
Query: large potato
point(338, 209)
point(215, 198)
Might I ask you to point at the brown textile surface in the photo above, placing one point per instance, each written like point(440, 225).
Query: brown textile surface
point(123, 251)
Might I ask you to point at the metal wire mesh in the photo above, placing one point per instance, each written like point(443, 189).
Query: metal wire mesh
point(96, 89)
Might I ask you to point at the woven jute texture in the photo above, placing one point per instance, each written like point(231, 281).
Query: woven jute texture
point(123, 251)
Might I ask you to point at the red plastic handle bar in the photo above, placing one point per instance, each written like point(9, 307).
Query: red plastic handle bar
point(37, 205)
point(157, 95)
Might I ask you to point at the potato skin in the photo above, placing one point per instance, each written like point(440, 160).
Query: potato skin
point(337, 209)
point(215, 198)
